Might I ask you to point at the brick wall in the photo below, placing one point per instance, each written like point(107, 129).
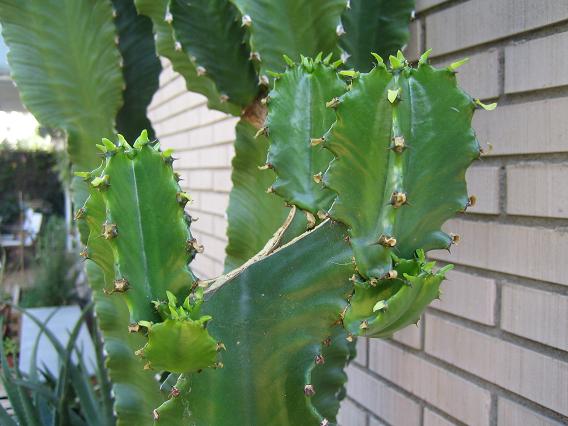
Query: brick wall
point(494, 350)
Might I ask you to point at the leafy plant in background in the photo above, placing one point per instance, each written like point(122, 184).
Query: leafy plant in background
point(55, 272)
point(72, 397)
point(368, 160)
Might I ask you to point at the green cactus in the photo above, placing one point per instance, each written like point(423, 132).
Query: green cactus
point(342, 181)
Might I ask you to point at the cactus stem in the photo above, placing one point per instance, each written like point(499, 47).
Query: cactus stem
point(110, 231)
point(319, 359)
point(387, 241)
point(309, 390)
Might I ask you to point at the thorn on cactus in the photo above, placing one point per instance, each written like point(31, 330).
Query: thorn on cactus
point(221, 347)
point(270, 190)
point(134, 327)
point(349, 338)
point(193, 246)
point(309, 390)
point(246, 21)
point(86, 176)
point(316, 141)
point(364, 325)
point(455, 238)
point(84, 253)
point(183, 198)
point(391, 275)
point(147, 366)
point(399, 144)
point(224, 98)
point(373, 281)
point(318, 177)
point(80, 213)
point(324, 422)
point(101, 182)
point(265, 167)
point(121, 285)
point(323, 215)
point(326, 342)
point(174, 393)
point(262, 131)
point(155, 415)
point(201, 71)
point(319, 359)
point(254, 56)
point(339, 30)
point(263, 80)
point(311, 220)
point(177, 177)
point(333, 103)
point(110, 231)
point(398, 199)
point(177, 46)
point(139, 352)
point(387, 241)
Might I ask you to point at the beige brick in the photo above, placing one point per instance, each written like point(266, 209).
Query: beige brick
point(517, 250)
point(200, 179)
point(222, 180)
point(220, 227)
point(214, 248)
point(204, 223)
point(207, 157)
point(431, 383)
point(536, 189)
point(476, 22)
point(413, 49)
point(483, 182)
point(212, 202)
point(374, 422)
point(480, 75)
point(434, 419)
point(468, 296)
point(512, 414)
point(224, 130)
point(536, 64)
point(426, 4)
point(410, 336)
point(362, 343)
point(351, 415)
point(381, 399)
point(535, 314)
point(534, 127)
point(530, 374)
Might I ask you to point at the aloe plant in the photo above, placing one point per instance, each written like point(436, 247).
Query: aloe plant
point(345, 170)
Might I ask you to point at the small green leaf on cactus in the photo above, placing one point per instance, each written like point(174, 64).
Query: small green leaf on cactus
point(424, 57)
point(288, 61)
point(486, 107)
point(141, 140)
point(392, 95)
point(349, 73)
point(381, 304)
point(109, 145)
point(395, 62)
point(455, 65)
point(380, 61)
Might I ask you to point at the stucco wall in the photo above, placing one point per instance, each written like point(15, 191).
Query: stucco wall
point(494, 350)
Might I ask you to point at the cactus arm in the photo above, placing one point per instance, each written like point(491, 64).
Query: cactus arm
point(253, 215)
point(429, 117)
point(301, 27)
point(379, 26)
point(140, 68)
point(136, 391)
point(181, 62)
point(283, 316)
point(141, 243)
point(297, 115)
point(210, 31)
point(69, 78)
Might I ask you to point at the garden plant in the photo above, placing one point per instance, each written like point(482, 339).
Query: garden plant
point(348, 161)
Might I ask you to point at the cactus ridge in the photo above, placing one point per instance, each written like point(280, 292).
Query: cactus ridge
point(296, 115)
point(209, 30)
point(303, 28)
point(168, 47)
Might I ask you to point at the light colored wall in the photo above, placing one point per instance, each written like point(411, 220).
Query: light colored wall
point(494, 350)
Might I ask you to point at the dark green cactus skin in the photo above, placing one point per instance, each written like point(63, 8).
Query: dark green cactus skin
point(210, 30)
point(141, 69)
point(253, 215)
point(166, 46)
point(297, 114)
point(379, 26)
point(301, 28)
